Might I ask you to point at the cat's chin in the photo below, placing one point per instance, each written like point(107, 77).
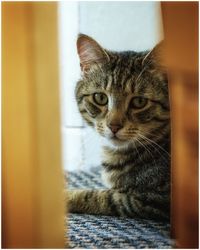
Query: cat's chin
point(114, 142)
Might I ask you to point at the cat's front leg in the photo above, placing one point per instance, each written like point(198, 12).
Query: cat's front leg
point(104, 202)
point(111, 202)
point(91, 202)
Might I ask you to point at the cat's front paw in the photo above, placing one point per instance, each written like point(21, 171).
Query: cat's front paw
point(73, 200)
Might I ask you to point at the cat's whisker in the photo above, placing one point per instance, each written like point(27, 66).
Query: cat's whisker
point(155, 144)
point(137, 151)
point(164, 157)
point(150, 144)
point(144, 133)
point(146, 148)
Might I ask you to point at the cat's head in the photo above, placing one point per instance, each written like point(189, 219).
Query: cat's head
point(123, 95)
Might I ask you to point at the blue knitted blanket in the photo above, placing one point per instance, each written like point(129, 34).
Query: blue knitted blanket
point(92, 231)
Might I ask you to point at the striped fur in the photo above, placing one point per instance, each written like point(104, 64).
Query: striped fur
point(136, 158)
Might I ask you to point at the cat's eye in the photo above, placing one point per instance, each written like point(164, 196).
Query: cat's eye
point(138, 102)
point(100, 98)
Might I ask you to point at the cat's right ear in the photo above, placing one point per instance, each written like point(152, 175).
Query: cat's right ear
point(90, 52)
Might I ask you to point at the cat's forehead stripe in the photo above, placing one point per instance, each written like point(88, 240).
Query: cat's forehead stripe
point(109, 83)
point(120, 75)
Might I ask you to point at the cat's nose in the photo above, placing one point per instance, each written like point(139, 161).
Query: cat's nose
point(115, 127)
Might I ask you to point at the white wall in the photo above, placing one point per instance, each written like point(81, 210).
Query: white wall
point(122, 25)
point(116, 26)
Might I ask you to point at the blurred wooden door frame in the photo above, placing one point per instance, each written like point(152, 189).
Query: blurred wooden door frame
point(32, 181)
point(180, 21)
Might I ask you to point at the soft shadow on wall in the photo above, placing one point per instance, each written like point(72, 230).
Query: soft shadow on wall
point(116, 26)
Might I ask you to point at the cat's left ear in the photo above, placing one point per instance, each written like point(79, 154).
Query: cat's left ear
point(155, 55)
point(90, 52)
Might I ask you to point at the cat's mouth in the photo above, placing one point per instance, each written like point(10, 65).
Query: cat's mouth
point(116, 138)
point(121, 140)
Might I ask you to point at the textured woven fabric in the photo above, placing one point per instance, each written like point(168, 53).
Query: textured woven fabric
point(91, 231)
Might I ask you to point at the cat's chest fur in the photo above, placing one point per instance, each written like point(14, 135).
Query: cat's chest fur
point(124, 170)
point(106, 179)
point(118, 169)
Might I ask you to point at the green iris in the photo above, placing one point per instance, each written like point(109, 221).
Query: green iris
point(139, 102)
point(100, 98)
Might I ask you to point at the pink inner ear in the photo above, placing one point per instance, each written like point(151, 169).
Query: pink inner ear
point(89, 52)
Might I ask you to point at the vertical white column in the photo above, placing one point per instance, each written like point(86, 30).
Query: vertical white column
point(69, 74)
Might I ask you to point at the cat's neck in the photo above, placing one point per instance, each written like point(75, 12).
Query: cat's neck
point(136, 154)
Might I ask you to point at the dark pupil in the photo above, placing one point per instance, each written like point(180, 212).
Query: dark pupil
point(101, 97)
point(140, 101)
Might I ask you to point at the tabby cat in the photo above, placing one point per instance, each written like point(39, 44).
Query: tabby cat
point(124, 97)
